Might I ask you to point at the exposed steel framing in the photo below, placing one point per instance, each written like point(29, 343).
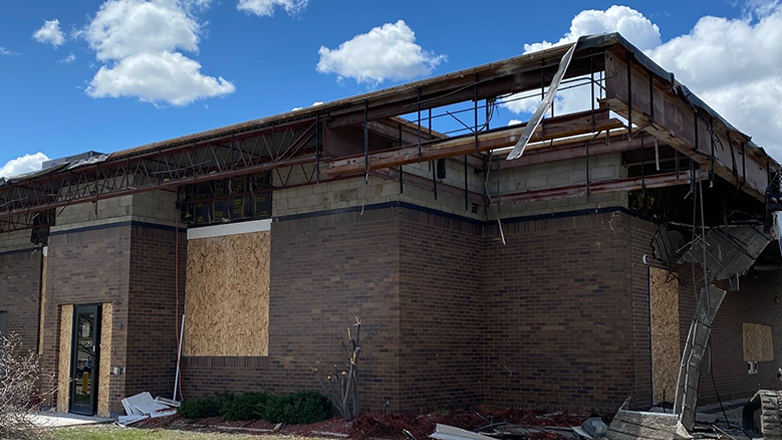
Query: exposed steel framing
point(295, 140)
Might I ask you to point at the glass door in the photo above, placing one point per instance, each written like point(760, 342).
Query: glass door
point(84, 360)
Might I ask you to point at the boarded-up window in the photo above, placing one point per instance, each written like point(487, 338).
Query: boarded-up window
point(666, 354)
point(758, 344)
point(227, 300)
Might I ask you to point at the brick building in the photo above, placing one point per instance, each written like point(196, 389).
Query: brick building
point(537, 281)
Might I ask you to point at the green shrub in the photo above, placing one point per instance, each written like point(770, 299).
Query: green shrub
point(244, 407)
point(297, 408)
point(199, 408)
point(202, 408)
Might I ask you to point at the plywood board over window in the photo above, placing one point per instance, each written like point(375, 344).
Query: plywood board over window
point(227, 299)
point(758, 343)
point(64, 367)
point(664, 311)
point(104, 365)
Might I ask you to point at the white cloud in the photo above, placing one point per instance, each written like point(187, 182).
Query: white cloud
point(736, 67)
point(385, 52)
point(733, 65)
point(24, 164)
point(157, 77)
point(128, 27)
point(50, 33)
point(759, 8)
point(68, 59)
point(265, 8)
point(514, 122)
point(638, 29)
point(8, 52)
point(137, 40)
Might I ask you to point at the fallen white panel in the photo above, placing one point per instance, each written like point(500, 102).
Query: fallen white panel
point(141, 404)
point(168, 402)
point(163, 413)
point(129, 420)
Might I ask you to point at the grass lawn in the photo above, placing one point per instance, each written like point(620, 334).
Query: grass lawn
point(116, 433)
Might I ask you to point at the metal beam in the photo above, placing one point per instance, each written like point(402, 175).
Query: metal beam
point(632, 184)
point(558, 127)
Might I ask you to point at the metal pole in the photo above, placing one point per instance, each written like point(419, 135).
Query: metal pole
point(179, 354)
point(629, 96)
point(317, 148)
point(366, 142)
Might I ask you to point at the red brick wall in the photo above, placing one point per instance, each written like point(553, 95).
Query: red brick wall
point(152, 318)
point(441, 324)
point(558, 318)
point(560, 314)
point(755, 302)
point(325, 271)
point(20, 285)
point(86, 267)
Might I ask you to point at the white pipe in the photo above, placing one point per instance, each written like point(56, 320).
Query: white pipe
point(179, 355)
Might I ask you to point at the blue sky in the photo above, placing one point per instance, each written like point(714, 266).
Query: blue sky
point(54, 100)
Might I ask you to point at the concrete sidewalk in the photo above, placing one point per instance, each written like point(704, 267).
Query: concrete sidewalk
point(55, 420)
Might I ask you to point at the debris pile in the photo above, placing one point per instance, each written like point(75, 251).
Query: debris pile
point(143, 406)
point(484, 422)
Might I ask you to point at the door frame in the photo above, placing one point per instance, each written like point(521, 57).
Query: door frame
point(91, 408)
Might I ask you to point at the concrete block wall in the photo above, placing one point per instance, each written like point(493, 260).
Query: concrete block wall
point(157, 207)
point(554, 175)
point(351, 193)
point(333, 195)
point(454, 173)
point(86, 214)
point(11, 241)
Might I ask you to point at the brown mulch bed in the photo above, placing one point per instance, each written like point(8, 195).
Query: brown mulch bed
point(381, 426)
point(369, 426)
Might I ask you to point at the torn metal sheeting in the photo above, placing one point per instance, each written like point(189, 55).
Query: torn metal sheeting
point(446, 432)
point(668, 244)
point(592, 428)
point(537, 117)
point(730, 251)
point(686, 398)
point(637, 425)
